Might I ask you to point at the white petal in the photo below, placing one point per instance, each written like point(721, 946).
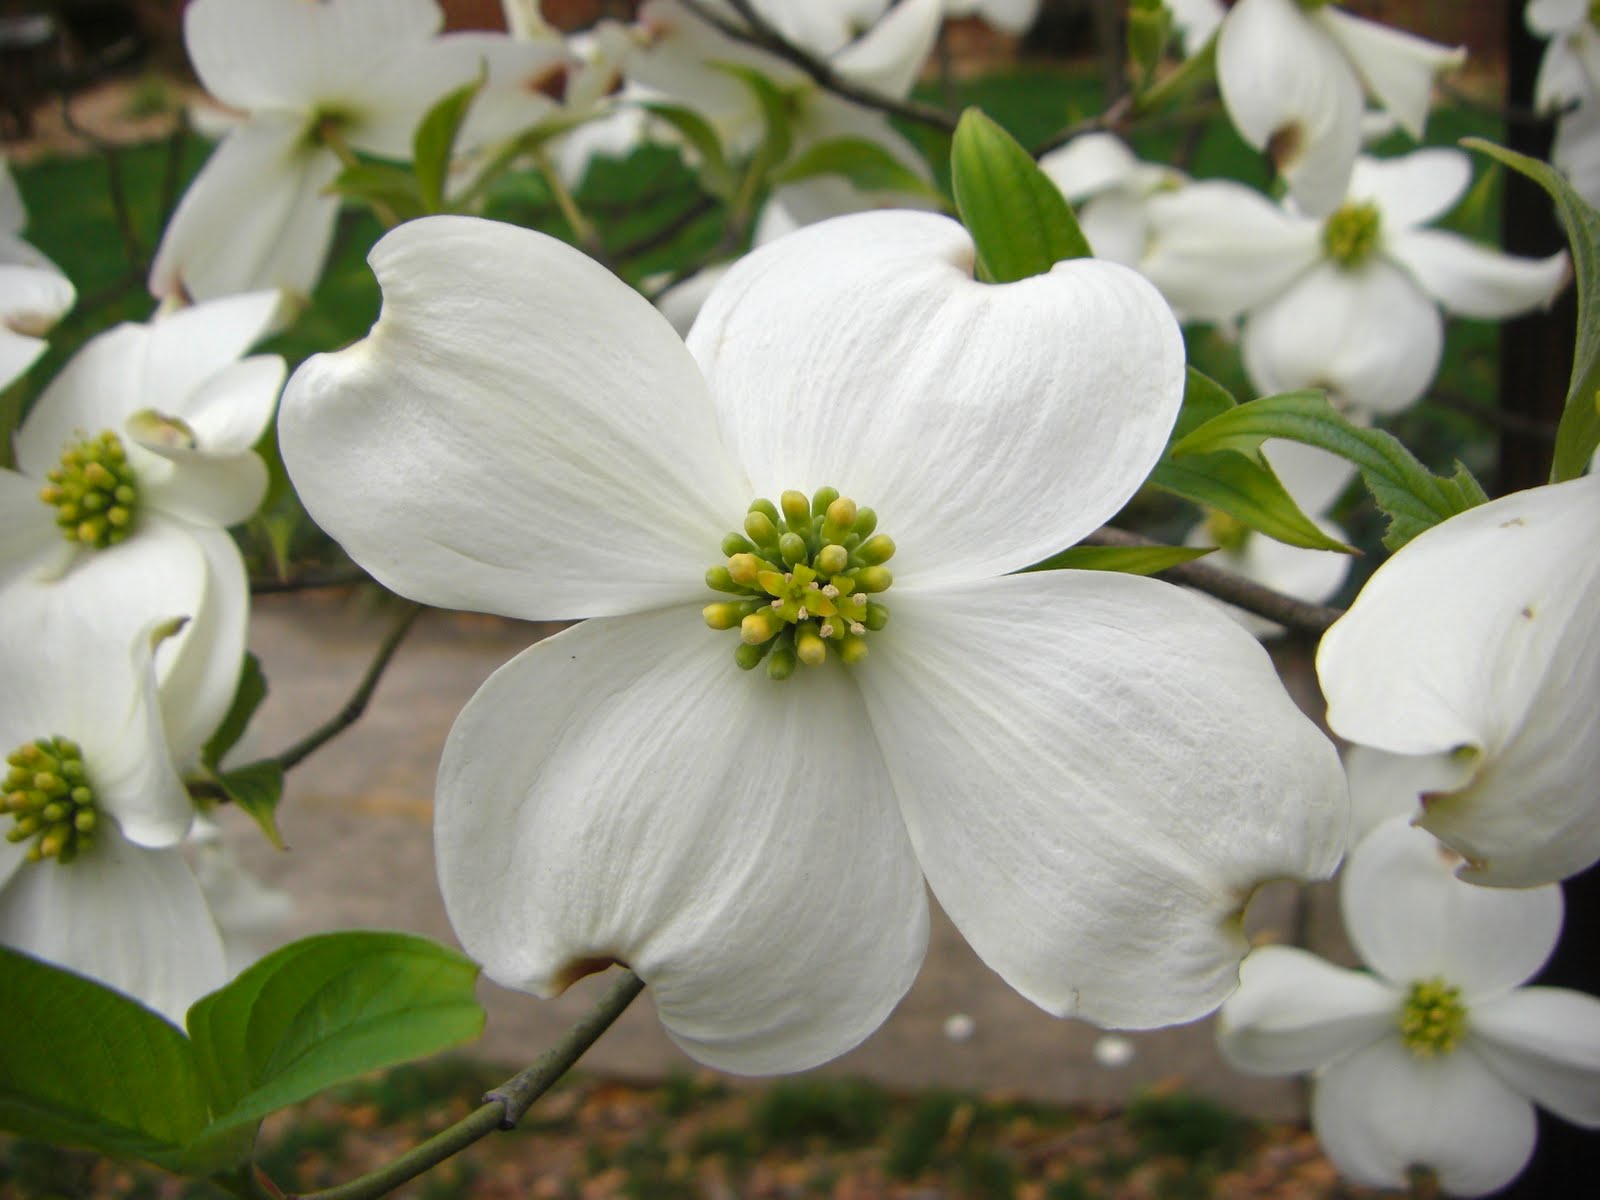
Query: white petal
point(1384, 785)
point(264, 54)
point(1219, 248)
point(247, 912)
point(1519, 580)
point(1547, 18)
point(33, 298)
point(1576, 150)
point(733, 840)
point(17, 354)
point(1411, 189)
point(861, 354)
point(1397, 67)
point(1545, 1042)
point(1381, 1111)
point(1291, 92)
point(889, 56)
point(132, 918)
point(232, 409)
point(1368, 335)
point(30, 542)
point(1411, 919)
point(1117, 226)
point(1474, 280)
point(1089, 164)
point(1295, 1012)
point(258, 215)
point(1315, 477)
point(188, 346)
point(1562, 79)
point(1097, 771)
point(519, 433)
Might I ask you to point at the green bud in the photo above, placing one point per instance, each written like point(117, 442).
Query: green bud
point(763, 532)
point(796, 509)
point(718, 579)
point(874, 579)
point(767, 509)
point(736, 544)
point(792, 547)
point(821, 498)
point(877, 549)
point(832, 560)
point(781, 663)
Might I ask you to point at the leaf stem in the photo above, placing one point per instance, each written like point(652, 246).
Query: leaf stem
point(501, 1109)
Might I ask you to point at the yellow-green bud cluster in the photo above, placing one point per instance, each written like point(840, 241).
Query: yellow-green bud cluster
point(1432, 1019)
point(48, 795)
point(801, 576)
point(93, 492)
point(1350, 235)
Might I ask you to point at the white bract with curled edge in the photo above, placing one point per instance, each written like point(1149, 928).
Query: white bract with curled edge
point(1092, 771)
point(1437, 1057)
point(1474, 651)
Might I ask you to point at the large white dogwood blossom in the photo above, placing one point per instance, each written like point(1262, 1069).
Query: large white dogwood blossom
point(313, 79)
point(1292, 74)
point(1092, 771)
point(1349, 302)
point(1475, 650)
point(130, 467)
point(91, 877)
point(1437, 1057)
point(33, 291)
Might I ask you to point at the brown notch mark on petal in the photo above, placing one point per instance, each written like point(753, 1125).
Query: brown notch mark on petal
point(1285, 145)
point(551, 81)
point(581, 968)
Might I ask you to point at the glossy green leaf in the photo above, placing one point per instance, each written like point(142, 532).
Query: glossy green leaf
point(256, 788)
point(1579, 432)
point(324, 1010)
point(714, 170)
point(867, 165)
point(247, 697)
point(1203, 398)
point(1019, 220)
point(85, 1065)
point(1130, 560)
point(1411, 496)
point(434, 142)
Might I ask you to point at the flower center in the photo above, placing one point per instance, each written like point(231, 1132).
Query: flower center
point(48, 795)
point(1432, 1019)
point(1350, 235)
point(93, 492)
point(801, 574)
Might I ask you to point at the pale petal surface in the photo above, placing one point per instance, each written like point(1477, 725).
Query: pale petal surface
point(1518, 578)
point(1477, 281)
point(862, 355)
point(1411, 189)
point(1294, 1012)
point(622, 791)
point(1383, 1109)
point(1545, 1042)
point(572, 460)
point(1097, 770)
point(1397, 67)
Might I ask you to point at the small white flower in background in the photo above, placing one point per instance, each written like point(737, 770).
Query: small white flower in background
point(685, 59)
point(1292, 77)
point(1437, 1057)
point(1194, 21)
point(1092, 771)
point(260, 214)
point(1109, 188)
point(1474, 651)
point(1569, 74)
point(130, 467)
point(1350, 302)
point(91, 876)
point(1008, 16)
point(1113, 1051)
point(34, 294)
point(249, 914)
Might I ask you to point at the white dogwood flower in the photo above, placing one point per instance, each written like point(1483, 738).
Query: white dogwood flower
point(91, 877)
point(33, 292)
point(1350, 302)
point(1292, 76)
point(130, 467)
point(1109, 188)
point(1092, 771)
point(314, 80)
point(1473, 650)
point(1437, 1057)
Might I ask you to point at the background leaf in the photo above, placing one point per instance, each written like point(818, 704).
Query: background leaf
point(247, 697)
point(865, 164)
point(434, 142)
point(326, 1009)
point(1019, 221)
point(1130, 560)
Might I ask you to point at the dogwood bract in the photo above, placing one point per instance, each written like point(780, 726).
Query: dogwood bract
point(1436, 1058)
point(1474, 649)
point(1092, 771)
point(33, 291)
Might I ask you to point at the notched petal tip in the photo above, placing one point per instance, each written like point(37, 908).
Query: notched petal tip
point(575, 969)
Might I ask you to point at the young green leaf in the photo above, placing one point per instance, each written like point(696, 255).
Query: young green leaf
point(1578, 434)
point(1411, 496)
point(703, 139)
point(1019, 220)
point(85, 1065)
point(434, 142)
point(247, 697)
point(867, 165)
point(323, 1010)
point(256, 788)
point(1130, 560)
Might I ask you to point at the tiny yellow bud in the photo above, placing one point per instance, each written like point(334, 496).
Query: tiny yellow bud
point(876, 549)
point(760, 626)
point(874, 579)
point(852, 649)
point(832, 560)
point(796, 509)
point(724, 614)
point(744, 569)
point(809, 646)
point(761, 529)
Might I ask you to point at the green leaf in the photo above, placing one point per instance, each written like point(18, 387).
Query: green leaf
point(1579, 431)
point(323, 1010)
point(1130, 560)
point(777, 113)
point(1181, 86)
point(382, 185)
point(434, 142)
point(867, 165)
point(247, 697)
point(81, 1064)
point(1019, 221)
point(715, 172)
point(256, 788)
point(1203, 398)
point(1411, 496)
